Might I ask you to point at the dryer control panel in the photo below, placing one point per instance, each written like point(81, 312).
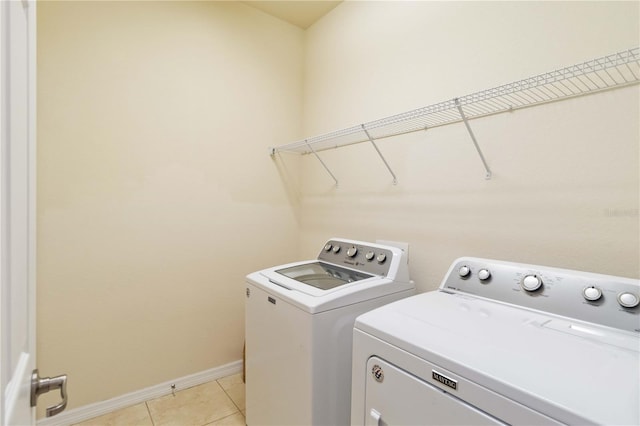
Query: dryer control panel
point(601, 299)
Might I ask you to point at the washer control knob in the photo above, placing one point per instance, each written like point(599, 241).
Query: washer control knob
point(464, 271)
point(628, 300)
point(592, 293)
point(352, 251)
point(369, 256)
point(531, 282)
point(336, 249)
point(381, 258)
point(327, 247)
point(484, 274)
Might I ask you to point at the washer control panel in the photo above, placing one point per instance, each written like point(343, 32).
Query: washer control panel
point(373, 259)
point(601, 299)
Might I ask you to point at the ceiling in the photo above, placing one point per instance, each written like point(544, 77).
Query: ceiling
point(301, 13)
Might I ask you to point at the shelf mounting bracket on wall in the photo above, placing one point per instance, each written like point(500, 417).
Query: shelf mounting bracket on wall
point(313, 151)
point(395, 180)
point(473, 138)
point(608, 72)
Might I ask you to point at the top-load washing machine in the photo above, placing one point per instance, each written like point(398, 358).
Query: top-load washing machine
point(299, 325)
point(502, 343)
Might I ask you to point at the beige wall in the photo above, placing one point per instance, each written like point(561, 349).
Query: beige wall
point(565, 187)
point(156, 195)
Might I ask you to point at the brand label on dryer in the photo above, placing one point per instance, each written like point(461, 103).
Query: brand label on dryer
point(453, 384)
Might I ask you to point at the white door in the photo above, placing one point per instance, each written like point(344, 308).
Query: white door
point(17, 210)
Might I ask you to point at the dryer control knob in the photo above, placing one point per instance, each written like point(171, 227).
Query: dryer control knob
point(370, 255)
point(327, 247)
point(336, 249)
point(531, 282)
point(352, 251)
point(592, 293)
point(484, 274)
point(464, 271)
point(381, 258)
point(628, 300)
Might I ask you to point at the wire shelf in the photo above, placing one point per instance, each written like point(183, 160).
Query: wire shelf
point(608, 72)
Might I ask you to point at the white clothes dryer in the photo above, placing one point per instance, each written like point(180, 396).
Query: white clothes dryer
point(502, 343)
point(299, 323)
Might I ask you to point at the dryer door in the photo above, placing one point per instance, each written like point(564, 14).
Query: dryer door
point(395, 397)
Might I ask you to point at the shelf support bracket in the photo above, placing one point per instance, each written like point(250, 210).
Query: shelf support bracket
point(395, 180)
point(473, 138)
point(313, 151)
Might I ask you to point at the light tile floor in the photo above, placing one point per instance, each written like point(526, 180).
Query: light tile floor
point(220, 402)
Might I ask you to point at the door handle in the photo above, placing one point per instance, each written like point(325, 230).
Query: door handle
point(45, 384)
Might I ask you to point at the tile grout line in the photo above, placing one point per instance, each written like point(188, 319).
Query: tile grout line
point(222, 418)
point(149, 411)
point(234, 403)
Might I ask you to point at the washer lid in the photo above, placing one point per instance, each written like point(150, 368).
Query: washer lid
point(322, 275)
point(315, 278)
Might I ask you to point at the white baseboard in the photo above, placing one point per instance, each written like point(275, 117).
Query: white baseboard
point(90, 411)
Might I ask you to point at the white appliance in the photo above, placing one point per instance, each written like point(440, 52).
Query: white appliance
point(502, 343)
point(299, 325)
